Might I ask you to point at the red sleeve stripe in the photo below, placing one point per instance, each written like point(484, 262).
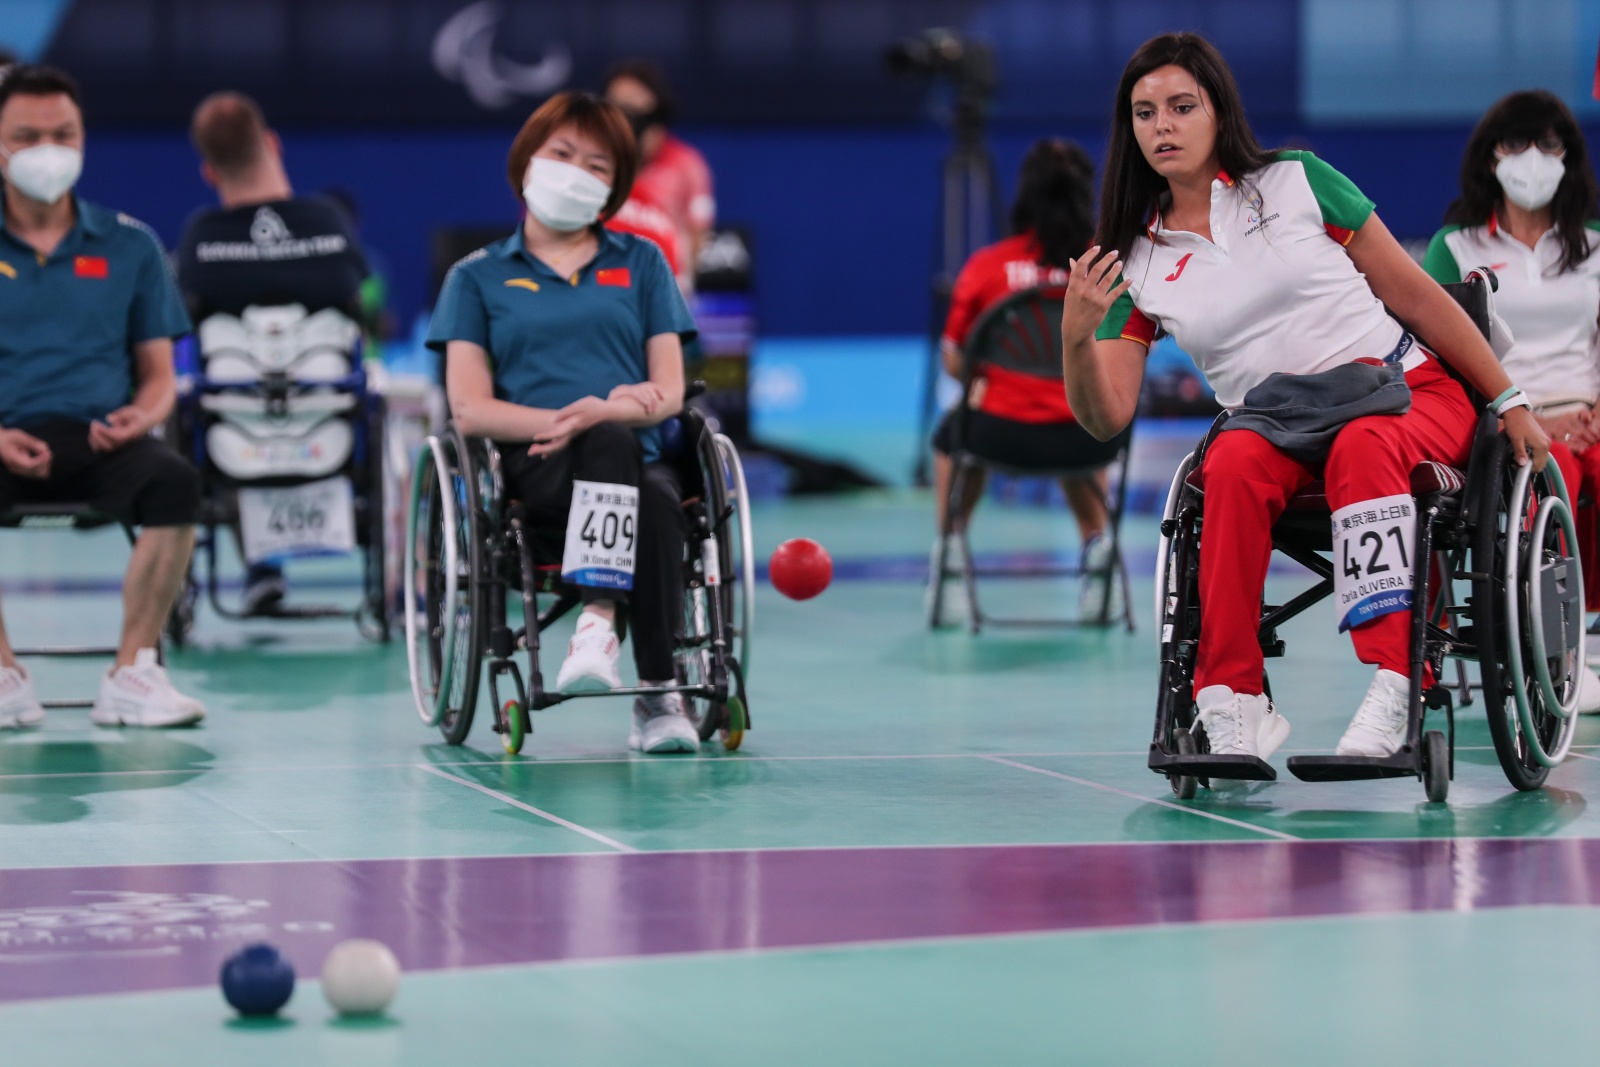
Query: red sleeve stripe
point(1339, 233)
point(1139, 328)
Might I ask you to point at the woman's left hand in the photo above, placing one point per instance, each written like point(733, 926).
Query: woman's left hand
point(647, 395)
point(568, 423)
point(1528, 439)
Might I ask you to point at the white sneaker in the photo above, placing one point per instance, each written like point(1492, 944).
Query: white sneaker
point(1588, 692)
point(1240, 724)
point(19, 704)
point(142, 695)
point(1096, 588)
point(1379, 728)
point(954, 611)
point(660, 724)
point(591, 663)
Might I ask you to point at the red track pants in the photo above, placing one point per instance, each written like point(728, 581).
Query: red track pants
point(1248, 482)
point(1581, 470)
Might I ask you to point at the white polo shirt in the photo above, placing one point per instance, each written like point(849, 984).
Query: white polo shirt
point(1273, 290)
point(1554, 315)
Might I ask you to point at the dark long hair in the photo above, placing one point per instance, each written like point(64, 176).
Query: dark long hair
point(1131, 189)
point(1528, 115)
point(1055, 200)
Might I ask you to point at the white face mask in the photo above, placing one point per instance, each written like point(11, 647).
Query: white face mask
point(1530, 177)
point(45, 172)
point(562, 196)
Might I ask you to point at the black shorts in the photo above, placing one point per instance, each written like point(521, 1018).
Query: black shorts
point(143, 483)
point(1041, 446)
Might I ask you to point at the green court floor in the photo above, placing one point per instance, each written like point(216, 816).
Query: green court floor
point(870, 733)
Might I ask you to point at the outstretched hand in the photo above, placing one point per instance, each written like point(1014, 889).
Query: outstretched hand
point(1092, 288)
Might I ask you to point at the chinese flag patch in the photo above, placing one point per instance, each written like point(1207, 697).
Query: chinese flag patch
point(91, 267)
point(617, 276)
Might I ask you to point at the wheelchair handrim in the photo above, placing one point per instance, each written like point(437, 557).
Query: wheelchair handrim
point(1516, 509)
point(747, 554)
point(1164, 546)
point(431, 711)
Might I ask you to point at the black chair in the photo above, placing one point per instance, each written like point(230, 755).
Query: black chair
point(1022, 334)
point(67, 516)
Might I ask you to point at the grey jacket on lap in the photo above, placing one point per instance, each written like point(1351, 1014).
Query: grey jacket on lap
point(1302, 413)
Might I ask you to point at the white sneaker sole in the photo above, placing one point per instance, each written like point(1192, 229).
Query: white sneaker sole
point(664, 745)
point(585, 683)
point(115, 719)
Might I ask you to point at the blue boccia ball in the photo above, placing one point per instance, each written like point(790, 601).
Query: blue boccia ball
point(257, 980)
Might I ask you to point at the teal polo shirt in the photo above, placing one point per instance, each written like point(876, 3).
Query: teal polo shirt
point(69, 320)
point(553, 340)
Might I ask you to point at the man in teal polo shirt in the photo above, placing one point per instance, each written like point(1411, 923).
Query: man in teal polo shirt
point(89, 312)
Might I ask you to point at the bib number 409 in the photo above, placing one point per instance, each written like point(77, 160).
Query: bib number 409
point(1374, 544)
point(602, 535)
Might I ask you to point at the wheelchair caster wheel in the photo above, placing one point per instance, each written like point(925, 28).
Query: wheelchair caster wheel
point(733, 723)
point(1184, 785)
point(1436, 766)
point(516, 727)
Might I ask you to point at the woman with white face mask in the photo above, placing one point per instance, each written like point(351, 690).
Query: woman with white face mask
point(1527, 210)
point(563, 343)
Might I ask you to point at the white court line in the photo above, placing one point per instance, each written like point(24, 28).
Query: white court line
point(1148, 800)
point(515, 803)
point(1581, 755)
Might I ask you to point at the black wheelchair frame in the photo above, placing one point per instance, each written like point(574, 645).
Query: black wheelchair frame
point(1492, 529)
point(491, 546)
point(219, 507)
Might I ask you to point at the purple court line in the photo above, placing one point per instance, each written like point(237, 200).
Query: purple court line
point(77, 931)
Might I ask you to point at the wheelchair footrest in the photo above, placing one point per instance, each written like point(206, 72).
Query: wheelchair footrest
point(1403, 764)
point(1206, 765)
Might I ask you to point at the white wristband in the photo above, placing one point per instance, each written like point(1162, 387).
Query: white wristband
point(1519, 399)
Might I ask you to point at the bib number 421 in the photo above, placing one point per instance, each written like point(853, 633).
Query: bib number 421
point(1374, 545)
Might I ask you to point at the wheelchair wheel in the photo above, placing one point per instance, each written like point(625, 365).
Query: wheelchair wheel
point(1527, 617)
point(694, 668)
point(1177, 626)
point(1436, 766)
point(442, 589)
point(180, 623)
point(736, 543)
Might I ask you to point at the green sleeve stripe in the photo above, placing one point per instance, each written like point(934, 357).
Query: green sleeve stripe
point(1117, 316)
point(1343, 205)
point(1440, 262)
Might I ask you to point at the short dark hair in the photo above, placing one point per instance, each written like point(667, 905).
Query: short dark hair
point(1131, 189)
point(1055, 200)
point(228, 130)
point(25, 79)
point(652, 77)
point(1528, 116)
point(597, 118)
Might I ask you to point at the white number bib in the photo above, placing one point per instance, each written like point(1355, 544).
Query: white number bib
point(602, 535)
point(1373, 558)
point(314, 519)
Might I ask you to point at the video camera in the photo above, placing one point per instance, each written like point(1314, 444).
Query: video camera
point(940, 52)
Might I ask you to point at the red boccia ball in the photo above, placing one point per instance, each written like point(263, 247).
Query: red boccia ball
point(800, 568)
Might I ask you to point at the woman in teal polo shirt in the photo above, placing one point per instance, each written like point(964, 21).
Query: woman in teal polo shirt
point(564, 344)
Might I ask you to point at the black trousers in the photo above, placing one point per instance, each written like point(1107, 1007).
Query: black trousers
point(143, 483)
point(610, 452)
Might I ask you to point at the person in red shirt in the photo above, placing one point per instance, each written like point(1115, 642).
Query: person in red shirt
point(1014, 422)
point(674, 181)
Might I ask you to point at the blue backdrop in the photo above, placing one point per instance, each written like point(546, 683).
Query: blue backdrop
point(843, 218)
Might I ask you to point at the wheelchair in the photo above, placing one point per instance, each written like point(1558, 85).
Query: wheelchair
point(1502, 531)
point(287, 429)
point(469, 549)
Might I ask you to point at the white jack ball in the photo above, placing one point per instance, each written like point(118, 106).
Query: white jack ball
point(360, 977)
